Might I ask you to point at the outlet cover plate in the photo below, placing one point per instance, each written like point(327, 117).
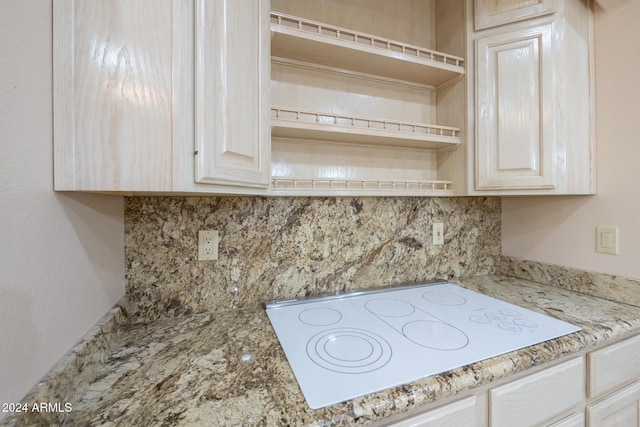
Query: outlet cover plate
point(207, 245)
point(438, 233)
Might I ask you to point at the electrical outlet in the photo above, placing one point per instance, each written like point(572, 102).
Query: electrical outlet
point(438, 233)
point(207, 245)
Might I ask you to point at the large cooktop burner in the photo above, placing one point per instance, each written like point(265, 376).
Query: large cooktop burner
point(349, 350)
point(348, 345)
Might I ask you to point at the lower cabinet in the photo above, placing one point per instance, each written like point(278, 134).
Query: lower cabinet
point(614, 385)
point(540, 397)
point(551, 397)
point(573, 420)
point(600, 388)
point(460, 413)
point(619, 409)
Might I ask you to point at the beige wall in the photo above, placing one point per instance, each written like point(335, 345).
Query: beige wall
point(562, 230)
point(61, 256)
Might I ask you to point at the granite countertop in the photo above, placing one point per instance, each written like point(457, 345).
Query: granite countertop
point(227, 368)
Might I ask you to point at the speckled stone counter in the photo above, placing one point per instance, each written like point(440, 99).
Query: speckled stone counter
point(227, 368)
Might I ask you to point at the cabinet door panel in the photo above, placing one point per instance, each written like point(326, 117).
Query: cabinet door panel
point(538, 397)
point(112, 95)
point(232, 92)
point(461, 413)
point(619, 409)
point(490, 13)
point(574, 420)
point(516, 133)
point(613, 366)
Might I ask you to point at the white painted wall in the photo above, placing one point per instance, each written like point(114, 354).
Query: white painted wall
point(61, 256)
point(561, 230)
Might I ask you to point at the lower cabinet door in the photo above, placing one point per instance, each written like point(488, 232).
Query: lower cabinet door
point(574, 420)
point(619, 409)
point(458, 414)
point(538, 398)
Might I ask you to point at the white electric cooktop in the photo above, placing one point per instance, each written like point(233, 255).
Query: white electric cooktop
point(348, 345)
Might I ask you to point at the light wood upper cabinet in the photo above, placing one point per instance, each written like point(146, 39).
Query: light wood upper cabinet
point(232, 92)
point(490, 13)
point(515, 110)
point(161, 96)
point(112, 95)
point(533, 116)
point(321, 97)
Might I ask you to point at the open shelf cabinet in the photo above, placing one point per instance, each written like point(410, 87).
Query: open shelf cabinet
point(319, 43)
point(358, 114)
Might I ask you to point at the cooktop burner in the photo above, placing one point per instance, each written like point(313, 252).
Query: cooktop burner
point(347, 345)
point(349, 350)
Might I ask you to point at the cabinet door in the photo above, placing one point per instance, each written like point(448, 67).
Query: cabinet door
point(545, 395)
point(490, 13)
point(613, 366)
point(112, 100)
point(620, 409)
point(573, 420)
point(232, 57)
point(463, 413)
point(515, 114)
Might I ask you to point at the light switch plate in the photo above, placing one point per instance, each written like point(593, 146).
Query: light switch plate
point(607, 240)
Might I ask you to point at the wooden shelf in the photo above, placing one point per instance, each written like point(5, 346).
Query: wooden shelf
point(320, 73)
point(318, 43)
point(356, 187)
point(313, 125)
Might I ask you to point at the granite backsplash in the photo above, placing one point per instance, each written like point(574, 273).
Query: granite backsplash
point(276, 248)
